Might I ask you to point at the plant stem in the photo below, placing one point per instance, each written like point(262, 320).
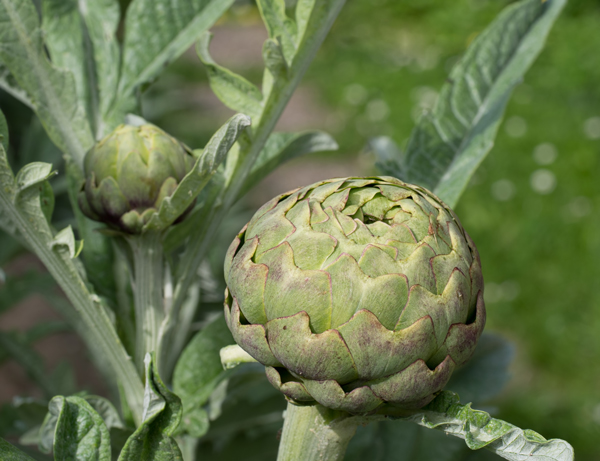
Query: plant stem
point(148, 293)
point(218, 206)
point(312, 433)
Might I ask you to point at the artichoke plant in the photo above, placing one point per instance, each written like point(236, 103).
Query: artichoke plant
point(129, 173)
point(356, 293)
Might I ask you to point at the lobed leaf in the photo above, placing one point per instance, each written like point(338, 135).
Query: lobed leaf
point(480, 430)
point(49, 89)
point(153, 439)
point(280, 27)
point(80, 432)
point(156, 33)
point(232, 89)
point(448, 145)
point(205, 167)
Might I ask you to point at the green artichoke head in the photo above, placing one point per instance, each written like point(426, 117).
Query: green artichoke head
point(356, 293)
point(129, 173)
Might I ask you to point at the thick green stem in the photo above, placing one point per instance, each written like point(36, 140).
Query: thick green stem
point(312, 433)
point(148, 293)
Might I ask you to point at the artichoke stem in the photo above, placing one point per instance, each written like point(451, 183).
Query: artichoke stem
point(148, 293)
point(314, 432)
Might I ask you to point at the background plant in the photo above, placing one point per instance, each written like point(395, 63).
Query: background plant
point(353, 137)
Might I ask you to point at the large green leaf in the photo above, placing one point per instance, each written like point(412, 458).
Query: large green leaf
point(199, 371)
point(448, 145)
point(80, 36)
point(480, 430)
point(80, 432)
point(153, 441)
point(50, 89)
point(9, 452)
point(232, 89)
point(10, 85)
point(157, 32)
point(21, 205)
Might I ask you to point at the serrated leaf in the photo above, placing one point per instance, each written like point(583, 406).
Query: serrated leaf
point(232, 89)
point(11, 453)
point(21, 207)
point(282, 147)
point(51, 90)
point(80, 35)
point(80, 432)
point(66, 41)
point(66, 239)
point(279, 26)
point(153, 441)
point(199, 371)
point(486, 374)
point(205, 167)
point(480, 430)
point(156, 33)
point(448, 145)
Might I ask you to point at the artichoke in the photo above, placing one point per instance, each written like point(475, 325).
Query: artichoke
point(356, 293)
point(128, 175)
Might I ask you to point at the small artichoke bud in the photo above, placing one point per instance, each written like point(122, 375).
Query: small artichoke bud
point(356, 293)
point(129, 173)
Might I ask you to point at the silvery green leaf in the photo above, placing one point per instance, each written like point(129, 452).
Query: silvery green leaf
point(480, 430)
point(106, 410)
point(50, 89)
point(205, 167)
point(69, 47)
point(232, 89)
point(11, 453)
point(448, 145)
point(80, 432)
point(486, 374)
point(199, 371)
point(279, 26)
point(281, 147)
point(22, 208)
point(152, 440)
point(156, 33)
point(66, 239)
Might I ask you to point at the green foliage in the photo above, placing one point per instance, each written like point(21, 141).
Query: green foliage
point(449, 143)
point(153, 439)
point(11, 453)
point(198, 372)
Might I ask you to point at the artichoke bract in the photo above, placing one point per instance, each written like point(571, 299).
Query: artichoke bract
point(129, 173)
point(356, 293)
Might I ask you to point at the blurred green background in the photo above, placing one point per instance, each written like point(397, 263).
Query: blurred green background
point(533, 207)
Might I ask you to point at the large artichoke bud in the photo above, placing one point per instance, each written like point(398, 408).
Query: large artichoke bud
point(355, 293)
point(129, 173)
